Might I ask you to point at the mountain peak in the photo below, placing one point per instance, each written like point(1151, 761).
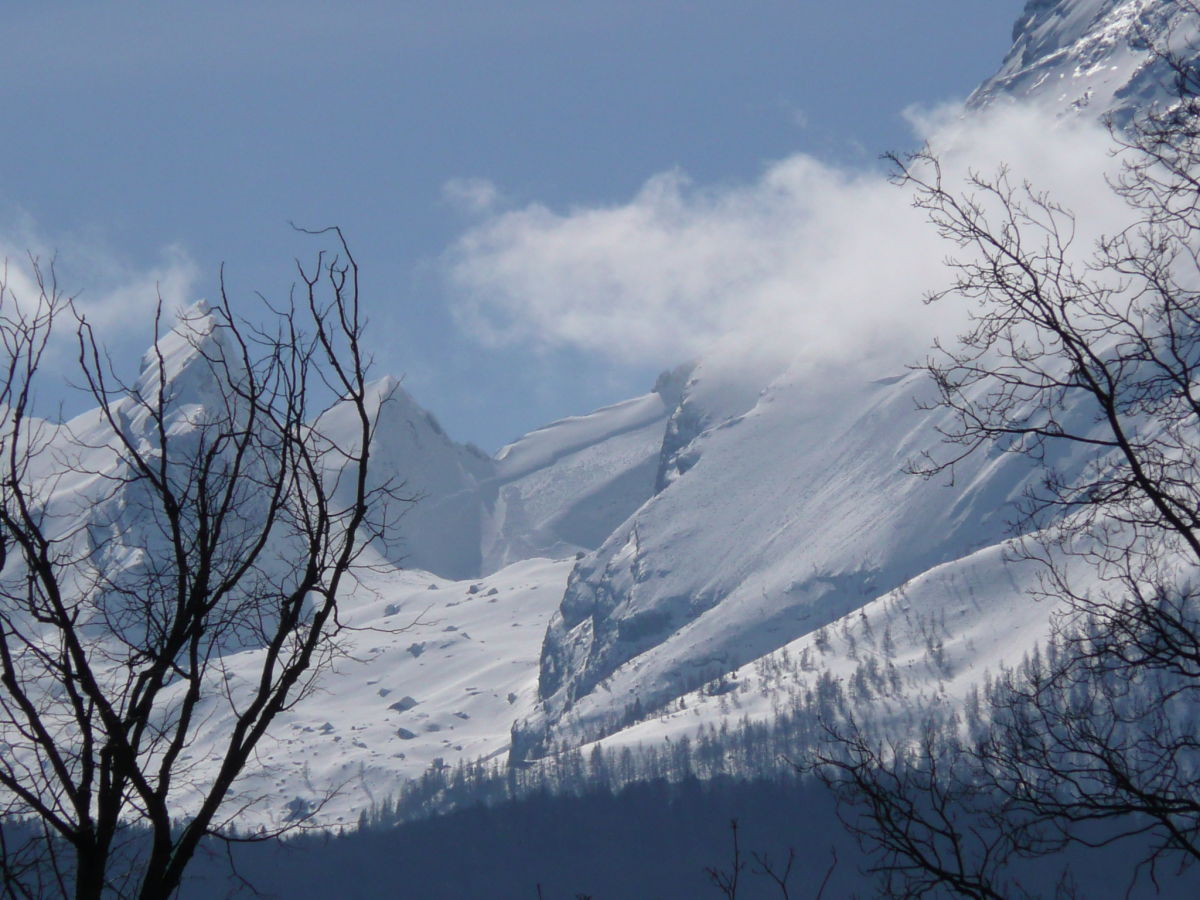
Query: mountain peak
point(1091, 56)
point(187, 365)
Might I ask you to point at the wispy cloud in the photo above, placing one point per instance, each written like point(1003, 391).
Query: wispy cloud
point(116, 296)
point(808, 261)
point(473, 196)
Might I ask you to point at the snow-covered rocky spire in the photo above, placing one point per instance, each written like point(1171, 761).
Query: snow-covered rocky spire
point(192, 364)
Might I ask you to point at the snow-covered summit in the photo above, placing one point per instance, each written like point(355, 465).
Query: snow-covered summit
point(1093, 57)
point(182, 366)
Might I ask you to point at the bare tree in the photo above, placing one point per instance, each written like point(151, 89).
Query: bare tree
point(728, 881)
point(201, 509)
point(925, 826)
point(1071, 354)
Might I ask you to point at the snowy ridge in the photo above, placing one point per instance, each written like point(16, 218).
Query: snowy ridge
point(791, 510)
point(826, 520)
point(563, 488)
point(557, 491)
point(422, 462)
point(435, 669)
point(547, 445)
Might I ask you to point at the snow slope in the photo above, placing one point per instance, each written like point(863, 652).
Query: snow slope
point(434, 671)
point(919, 650)
point(736, 528)
point(441, 532)
point(789, 517)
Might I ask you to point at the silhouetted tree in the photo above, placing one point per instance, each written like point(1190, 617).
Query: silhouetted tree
point(195, 514)
point(1067, 355)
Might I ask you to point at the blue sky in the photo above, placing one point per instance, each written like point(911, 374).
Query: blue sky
point(152, 141)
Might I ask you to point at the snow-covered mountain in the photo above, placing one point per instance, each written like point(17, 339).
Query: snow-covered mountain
point(557, 491)
point(1091, 57)
point(719, 523)
point(591, 578)
point(791, 511)
point(814, 489)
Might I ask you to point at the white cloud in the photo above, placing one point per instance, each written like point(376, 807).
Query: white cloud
point(808, 261)
point(128, 295)
point(471, 195)
point(108, 290)
point(117, 298)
